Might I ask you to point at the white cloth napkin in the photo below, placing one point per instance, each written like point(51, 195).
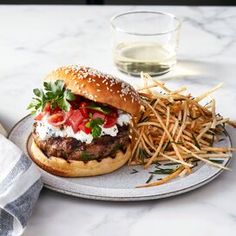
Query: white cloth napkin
point(3, 131)
point(20, 185)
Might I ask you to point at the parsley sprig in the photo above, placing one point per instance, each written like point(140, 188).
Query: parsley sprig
point(94, 124)
point(53, 93)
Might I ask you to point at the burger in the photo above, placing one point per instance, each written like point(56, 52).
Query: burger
point(83, 122)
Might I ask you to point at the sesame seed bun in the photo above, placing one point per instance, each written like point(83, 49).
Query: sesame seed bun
point(99, 87)
point(60, 167)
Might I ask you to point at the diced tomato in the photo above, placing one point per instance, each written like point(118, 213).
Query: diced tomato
point(76, 115)
point(55, 110)
point(47, 108)
point(69, 113)
point(83, 109)
point(74, 120)
point(98, 115)
point(39, 116)
point(57, 119)
point(110, 121)
point(83, 127)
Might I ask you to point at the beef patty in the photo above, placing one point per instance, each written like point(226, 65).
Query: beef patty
point(72, 149)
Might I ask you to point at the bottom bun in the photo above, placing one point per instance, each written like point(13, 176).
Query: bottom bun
point(72, 168)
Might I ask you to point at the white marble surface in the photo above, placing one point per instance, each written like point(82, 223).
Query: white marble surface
point(36, 39)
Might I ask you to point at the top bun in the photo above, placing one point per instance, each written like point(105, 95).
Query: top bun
point(98, 87)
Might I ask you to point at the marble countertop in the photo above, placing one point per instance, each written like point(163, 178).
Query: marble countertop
point(37, 39)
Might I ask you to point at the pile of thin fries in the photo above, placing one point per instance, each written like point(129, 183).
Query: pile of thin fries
point(176, 127)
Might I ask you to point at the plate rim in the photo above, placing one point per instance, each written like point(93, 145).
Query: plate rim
point(149, 196)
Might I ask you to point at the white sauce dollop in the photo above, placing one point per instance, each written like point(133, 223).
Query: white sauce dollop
point(123, 119)
point(45, 130)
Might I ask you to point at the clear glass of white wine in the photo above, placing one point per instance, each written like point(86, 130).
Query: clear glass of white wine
point(145, 41)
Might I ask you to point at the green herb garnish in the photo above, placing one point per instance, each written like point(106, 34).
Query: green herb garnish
point(149, 179)
point(221, 139)
point(94, 124)
point(170, 164)
point(117, 147)
point(212, 140)
point(178, 143)
point(103, 109)
point(133, 171)
point(217, 161)
point(166, 146)
point(163, 171)
point(157, 163)
point(53, 93)
point(85, 156)
point(153, 102)
point(196, 142)
point(144, 119)
point(143, 154)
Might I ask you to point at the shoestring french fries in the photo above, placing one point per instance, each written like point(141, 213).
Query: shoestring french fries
point(174, 127)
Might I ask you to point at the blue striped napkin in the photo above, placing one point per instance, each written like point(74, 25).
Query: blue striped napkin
point(20, 185)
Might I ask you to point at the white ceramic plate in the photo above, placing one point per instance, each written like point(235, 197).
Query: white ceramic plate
point(120, 185)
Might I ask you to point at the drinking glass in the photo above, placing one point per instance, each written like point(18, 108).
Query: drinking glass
point(145, 41)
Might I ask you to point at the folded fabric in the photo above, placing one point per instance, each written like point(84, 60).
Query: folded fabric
point(20, 185)
point(3, 131)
